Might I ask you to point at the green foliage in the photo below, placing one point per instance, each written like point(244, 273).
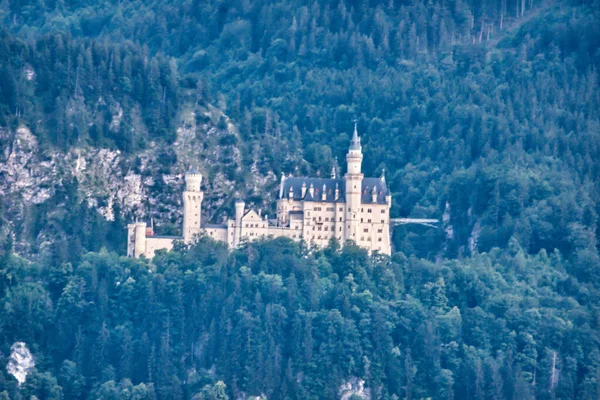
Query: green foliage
point(274, 319)
point(498, 127)
point(498, 136)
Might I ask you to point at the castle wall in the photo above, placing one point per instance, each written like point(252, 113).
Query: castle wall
point(374, 229)
point(253, 227)
point(157, 243)
point(324, 223)
point(318, 222)
point(276, 231)
point(216, 233)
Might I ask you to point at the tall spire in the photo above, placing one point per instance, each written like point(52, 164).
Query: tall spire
point(355, 142)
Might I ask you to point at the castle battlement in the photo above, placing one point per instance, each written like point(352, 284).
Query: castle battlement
point(314, 210)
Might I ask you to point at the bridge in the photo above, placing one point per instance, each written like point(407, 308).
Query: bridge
point(419, 221)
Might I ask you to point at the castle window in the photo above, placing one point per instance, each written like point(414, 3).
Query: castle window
point(341, 208)
point(383, 211)
point(319, 228)
point(379, 240)
point(366, 230)
point(362, 210)
point(361, 220)
point(383, 221)
point(369, 221)
point(368, 210)
point(340, 219)
point(379, 230)
point(348, 209)
point(325, 229)
point(308, 214)
point(340, 228)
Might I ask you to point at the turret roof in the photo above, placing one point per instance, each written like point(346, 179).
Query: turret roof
point(355, 142)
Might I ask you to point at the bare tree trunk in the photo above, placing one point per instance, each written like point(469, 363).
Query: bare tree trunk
point(408, 369)
point(479, 392)
point(267, 123)
point(522, 7)
point(77, 91)
point(164, 98)
point(553, 375)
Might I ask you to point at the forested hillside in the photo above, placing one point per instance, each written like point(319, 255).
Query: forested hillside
point(483, 114)
point(501, 98)
point(276, 320)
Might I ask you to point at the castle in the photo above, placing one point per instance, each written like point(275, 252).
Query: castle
point(311, 209)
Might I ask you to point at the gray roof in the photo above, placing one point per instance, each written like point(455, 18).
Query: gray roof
point(330, 185)
point(214, 225)
point(355, 142)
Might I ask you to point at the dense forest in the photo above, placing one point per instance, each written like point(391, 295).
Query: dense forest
point(501, 97)
point(483, 114)
point(279, 320)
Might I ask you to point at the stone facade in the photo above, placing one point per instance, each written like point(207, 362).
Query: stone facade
point(315, 210)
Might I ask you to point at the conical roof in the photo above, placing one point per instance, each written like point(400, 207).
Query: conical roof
point(355, 142)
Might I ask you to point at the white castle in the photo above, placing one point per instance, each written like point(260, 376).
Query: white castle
point(316, 210)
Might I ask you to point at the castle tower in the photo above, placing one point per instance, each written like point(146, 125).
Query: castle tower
point(239, 214)
point(192, 205)
point(136, 239)
point(353, 180)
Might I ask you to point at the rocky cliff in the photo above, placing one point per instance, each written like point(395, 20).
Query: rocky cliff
point(127, 187)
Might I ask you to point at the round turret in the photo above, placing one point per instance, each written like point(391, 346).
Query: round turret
point(193, 180)
point(354, 156)
point(239, 210)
